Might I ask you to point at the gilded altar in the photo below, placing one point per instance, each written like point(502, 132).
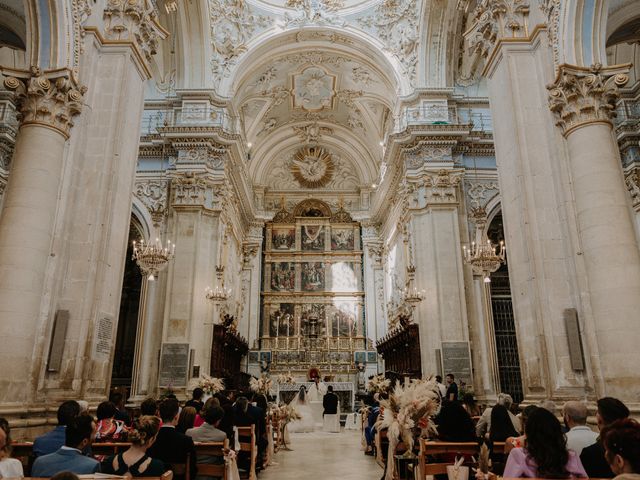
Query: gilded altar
point(312, 297)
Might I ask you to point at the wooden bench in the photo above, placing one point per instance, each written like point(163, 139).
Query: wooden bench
point(212, 449)
point(467, 449)
point(247, 440)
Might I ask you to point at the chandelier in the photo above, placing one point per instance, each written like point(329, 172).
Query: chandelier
point(152, 258)
point(218, 294)
point(413, 296)
point(485, 258)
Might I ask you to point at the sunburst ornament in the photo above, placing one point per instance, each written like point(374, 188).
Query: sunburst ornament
point(312, 167)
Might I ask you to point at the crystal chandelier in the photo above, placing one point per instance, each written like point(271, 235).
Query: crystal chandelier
point(218, 294)
point(485, 258)
point(152, 258)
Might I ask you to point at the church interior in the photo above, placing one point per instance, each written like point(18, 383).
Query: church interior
point(287, 196)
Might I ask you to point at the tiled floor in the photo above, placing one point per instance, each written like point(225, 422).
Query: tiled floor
point(321, 455)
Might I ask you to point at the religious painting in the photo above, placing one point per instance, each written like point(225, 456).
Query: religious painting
point(312, 238)
point(360, 357)
point(312, 276)
point(283, 277)
point(253, 357)
point(342, 239)
point(281, 320)
point(312, 320)
point(265, 357)
point(343, 277)
point(313, 89)
point(283, 239)
point(343, 319)
point(371, 357)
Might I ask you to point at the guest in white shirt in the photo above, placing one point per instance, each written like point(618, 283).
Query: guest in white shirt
point(9, 467)
point(579, 435)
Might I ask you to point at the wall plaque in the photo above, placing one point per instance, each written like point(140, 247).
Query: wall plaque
point(174, 365)
point(456, 360)
point(103, 337)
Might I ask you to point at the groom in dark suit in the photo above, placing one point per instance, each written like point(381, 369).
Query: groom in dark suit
point(330, 402)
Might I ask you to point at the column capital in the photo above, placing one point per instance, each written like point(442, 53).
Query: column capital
point(584, 95)
point(50, 98)
point(494, 20)
point(441, 186)
point(134, 21)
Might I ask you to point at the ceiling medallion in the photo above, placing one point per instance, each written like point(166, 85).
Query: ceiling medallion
point(312, 167)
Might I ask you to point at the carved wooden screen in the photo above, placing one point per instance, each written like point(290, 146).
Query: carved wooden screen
point(312, 300)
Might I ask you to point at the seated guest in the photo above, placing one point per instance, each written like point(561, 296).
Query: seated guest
point(9, 467)
point(546, 454)
point(53, 440)
point(135, 461)
point(209, 432)
point(484, 423)
point(518, 442)
point(370, 429)
point(171, 446)
point(149, 407)
point(121, 412)
point(186, 420)
point(226, 425)
point(578, 434)
point(501, 425)
point(454, 423)
point(243, 418)
point(470, 405)
point(109, 429)
point(609, 410)
point(196, 400)
point(621, 442)
point(79, 433)
point(211, 402)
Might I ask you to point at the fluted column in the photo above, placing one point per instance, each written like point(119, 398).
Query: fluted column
point(583, 100)
point(47, 103)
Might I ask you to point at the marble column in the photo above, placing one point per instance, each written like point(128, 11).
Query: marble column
point(583, 100)
point(250, 295)
point(435, 239)
point(47, 102)
point(196, 224)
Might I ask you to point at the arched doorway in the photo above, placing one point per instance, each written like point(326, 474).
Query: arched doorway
point(504, 322)
point(122, 371)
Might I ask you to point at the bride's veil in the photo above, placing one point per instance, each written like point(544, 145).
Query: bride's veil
point(301, 397)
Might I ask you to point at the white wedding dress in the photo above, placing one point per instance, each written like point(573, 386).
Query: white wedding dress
point(306, 424)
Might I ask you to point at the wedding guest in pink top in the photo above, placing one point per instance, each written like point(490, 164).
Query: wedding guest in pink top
point(545, 454)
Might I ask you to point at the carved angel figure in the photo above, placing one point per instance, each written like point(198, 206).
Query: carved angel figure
point(312, 168)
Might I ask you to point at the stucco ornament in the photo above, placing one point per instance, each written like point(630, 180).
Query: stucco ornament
point(395, 22)
point(314, 12)
point(312, 167)
point(233, 23)
point(313, 89)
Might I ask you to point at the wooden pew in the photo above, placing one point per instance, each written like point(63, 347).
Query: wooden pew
point(247, 439)
point(467, 449)
point(212, 449)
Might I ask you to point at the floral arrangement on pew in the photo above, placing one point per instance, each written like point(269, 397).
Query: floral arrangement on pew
point(379, 384)
point(409, 407)
point(286, 413)
point(261, 385)
point(211, 385)
point(285, 379)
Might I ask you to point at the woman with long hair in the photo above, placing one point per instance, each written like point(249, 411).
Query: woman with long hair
point(9, 467)
point(186, 419)
point(501, 425)
point(454, 423)
point(545, 454)
point(621, 441)
point(135, 461)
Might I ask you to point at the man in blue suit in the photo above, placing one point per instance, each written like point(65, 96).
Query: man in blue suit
point(52, 441)
point(79, 434)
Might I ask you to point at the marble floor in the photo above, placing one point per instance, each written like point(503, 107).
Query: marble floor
point(320, 455)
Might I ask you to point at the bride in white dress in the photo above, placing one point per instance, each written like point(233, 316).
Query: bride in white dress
point(301, 403)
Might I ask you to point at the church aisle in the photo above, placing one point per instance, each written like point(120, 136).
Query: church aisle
point(323, 455)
